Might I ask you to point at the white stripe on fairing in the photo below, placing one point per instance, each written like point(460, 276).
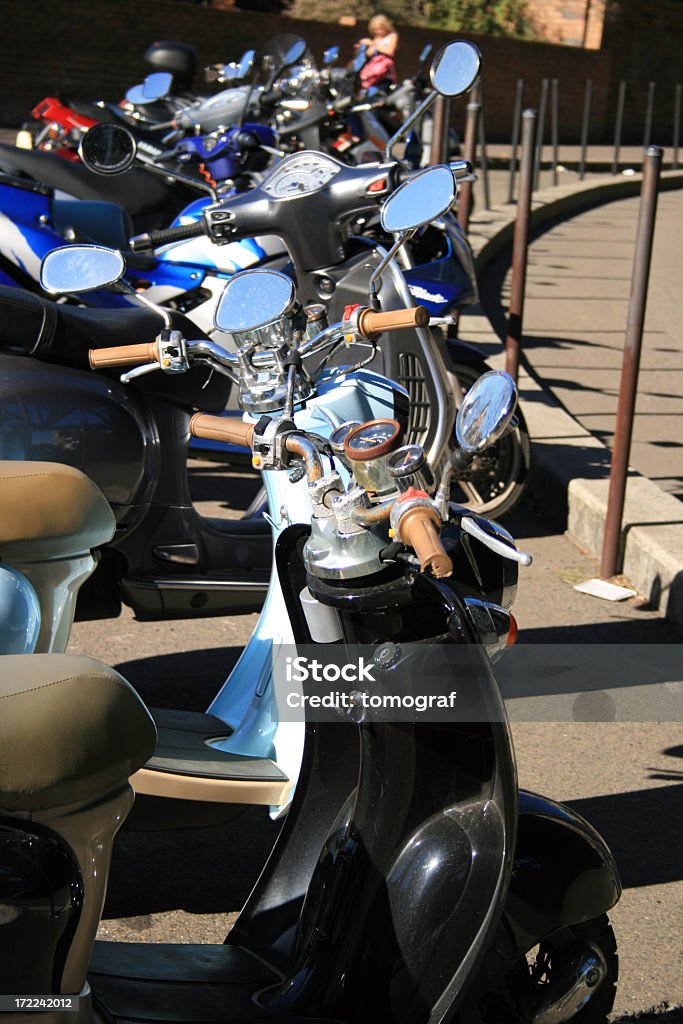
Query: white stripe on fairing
point(14, 246)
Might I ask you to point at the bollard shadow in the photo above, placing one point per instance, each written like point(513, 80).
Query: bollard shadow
point(657, 1015)
point(629, 822)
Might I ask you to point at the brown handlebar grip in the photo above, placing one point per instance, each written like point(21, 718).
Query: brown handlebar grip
point(419, 529)
point(228, 429)
point(124, 355)
point(371, 323)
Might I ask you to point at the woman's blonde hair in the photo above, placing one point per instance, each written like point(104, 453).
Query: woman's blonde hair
point(379, 21)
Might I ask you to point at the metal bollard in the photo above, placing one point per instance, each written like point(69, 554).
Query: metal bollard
point(554, 127)
point(584, 127)
point(541, 130)
point(483, 155)
point(648, 114)
point(520, 245)
point(469, 153)
point(439, 130)
point(514, 143)
point(677, 126)
point(617, 126)
point(631, 362)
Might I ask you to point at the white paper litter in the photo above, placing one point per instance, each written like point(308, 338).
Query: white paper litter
point(603, 589)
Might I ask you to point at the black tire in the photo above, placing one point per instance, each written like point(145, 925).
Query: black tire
point(523, 985)
point(494, 483)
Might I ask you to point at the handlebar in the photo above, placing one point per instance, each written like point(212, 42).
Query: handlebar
point(155, 239)
point(419, 529)
point(123, 355)
point(371, 324)
point(229, 430)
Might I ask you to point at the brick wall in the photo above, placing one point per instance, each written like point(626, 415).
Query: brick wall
point(570, 22)
point(93, 50)
point(646, 43)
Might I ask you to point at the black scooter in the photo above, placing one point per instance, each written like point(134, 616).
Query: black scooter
point(411, 883)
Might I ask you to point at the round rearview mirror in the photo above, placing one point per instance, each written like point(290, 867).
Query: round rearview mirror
point(421, 199)
point(455, 68)
point(154, 88)
point(80, 268)
point(486, 411)
point(294, 54)
point(254, 299)
point(107, 149)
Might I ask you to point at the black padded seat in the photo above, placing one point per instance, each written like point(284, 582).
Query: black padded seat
point(49, 510)
point(71, 730)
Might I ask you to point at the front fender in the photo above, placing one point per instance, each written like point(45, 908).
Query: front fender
point(563, 874)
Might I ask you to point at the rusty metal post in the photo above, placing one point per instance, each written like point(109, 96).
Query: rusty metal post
point(469, 153)
point(445, 141)
point(514, 143)
point(554, 127)
point(520, 243)
point(677, 126)
point(584, 127)
point(617, 126)
point(483, 156)
point(647, 131)
point(438, 129)
point(540, 131)
point(631, 361)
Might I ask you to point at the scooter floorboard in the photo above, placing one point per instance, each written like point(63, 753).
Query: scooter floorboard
point(187, 766)
point(174, 984)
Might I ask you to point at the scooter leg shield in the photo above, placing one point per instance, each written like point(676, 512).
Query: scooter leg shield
point(564, 873)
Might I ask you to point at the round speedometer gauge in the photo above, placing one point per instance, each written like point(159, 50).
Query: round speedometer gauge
point(300, 175)
point(372, 440)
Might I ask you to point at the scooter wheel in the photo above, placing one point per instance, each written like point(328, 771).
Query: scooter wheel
point(493, 484)
point(526, 985)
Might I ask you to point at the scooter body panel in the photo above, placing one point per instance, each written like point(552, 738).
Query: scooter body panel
point(247, 701)
point(564, 872)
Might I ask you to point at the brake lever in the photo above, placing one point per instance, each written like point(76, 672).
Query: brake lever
point(468, 525)
point(138, 371)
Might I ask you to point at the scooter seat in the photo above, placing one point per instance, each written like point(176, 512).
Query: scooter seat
point(50, 511)
point(71, 730)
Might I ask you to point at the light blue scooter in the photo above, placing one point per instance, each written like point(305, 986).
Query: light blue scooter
point(241, 751)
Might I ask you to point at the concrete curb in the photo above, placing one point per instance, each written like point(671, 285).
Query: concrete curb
point(570, 474)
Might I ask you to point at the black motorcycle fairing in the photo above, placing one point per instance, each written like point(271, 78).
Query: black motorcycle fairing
point(60, 334)
point(139, 192)
point(93, 221)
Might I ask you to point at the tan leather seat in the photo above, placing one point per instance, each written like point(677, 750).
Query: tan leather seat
point(71, 729)
point(48, 510)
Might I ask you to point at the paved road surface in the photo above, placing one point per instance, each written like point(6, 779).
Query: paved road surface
point(575, 313)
